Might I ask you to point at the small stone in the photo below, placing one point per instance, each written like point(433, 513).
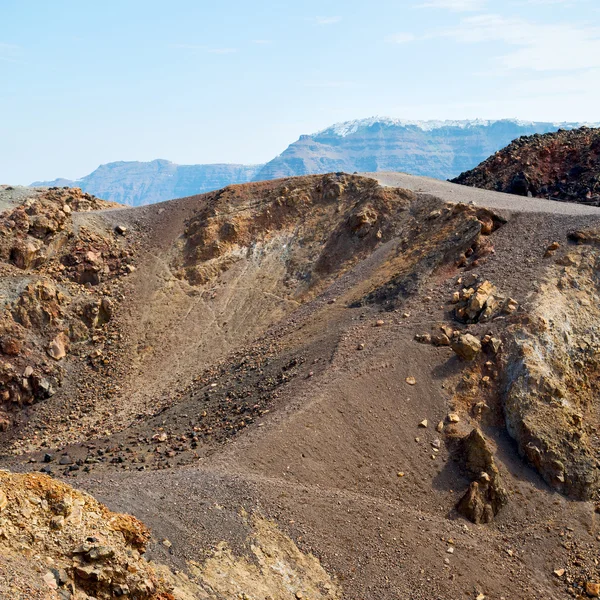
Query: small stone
point(424, 423)
point(492, 344)
point(511, 306)
point(121, 229)
point(411, 380)
point(50, 580)
point(100, 553)
point(379, 323)
point(423, 338)
point(58, 347)
point(65, 459)
point(3, 501)
point(480, 597)
point(455, 297)
point(559, 572)
point(166, 543)
point(440, 427)
point(450, 550)
point(57, 522)
point(299, 595)
point(400, 474)
point(28, 372)
point(592, 589)
point(453, 418)
point(551, 249)
point(441, 339)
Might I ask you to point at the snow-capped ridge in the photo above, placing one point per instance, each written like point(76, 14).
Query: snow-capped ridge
point(346, 128)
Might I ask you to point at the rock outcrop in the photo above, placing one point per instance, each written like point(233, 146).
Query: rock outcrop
point(60, 543)
point(51, 301)
point(552, 376)
point(563, 165)
point(486, 494)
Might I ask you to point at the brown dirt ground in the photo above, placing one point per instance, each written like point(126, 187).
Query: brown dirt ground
point(304, 428)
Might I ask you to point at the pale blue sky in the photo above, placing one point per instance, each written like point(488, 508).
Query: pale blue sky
point(84, 83)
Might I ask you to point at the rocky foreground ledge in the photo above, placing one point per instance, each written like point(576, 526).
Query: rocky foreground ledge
point(57, 543)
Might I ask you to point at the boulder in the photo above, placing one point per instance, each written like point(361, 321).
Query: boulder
point(467, 346)
point(486, 494)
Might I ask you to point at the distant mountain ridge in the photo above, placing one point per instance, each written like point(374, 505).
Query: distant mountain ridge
point(439, 149)
point(136, 183)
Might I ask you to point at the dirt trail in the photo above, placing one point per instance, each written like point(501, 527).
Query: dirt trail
point(452, 192)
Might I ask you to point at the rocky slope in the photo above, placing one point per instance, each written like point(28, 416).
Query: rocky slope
point(315, 387)
point(135, 183)
point(61, 544)
point(564, 166)
point(440, 149)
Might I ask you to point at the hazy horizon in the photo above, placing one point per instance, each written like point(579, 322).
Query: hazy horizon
point(86, 85)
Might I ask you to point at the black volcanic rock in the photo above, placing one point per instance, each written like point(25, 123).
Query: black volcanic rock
point(564, 165)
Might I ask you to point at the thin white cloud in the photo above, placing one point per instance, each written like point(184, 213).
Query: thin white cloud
point(329, 84)
point(538, 47)
point(198, 48)
point(455, 5)
point(222, 50)
point(401, 38)
point(563, 2)
point(187, 47)
point(327, 20)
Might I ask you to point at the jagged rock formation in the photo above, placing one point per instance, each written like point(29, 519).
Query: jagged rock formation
point(486, 494)
point(440, 149)
point(564, 166)
point(57, 543)
point(55, 288)
point(60, 543)
point(552, 373)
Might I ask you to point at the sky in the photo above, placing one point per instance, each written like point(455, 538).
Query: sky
point(193, 81)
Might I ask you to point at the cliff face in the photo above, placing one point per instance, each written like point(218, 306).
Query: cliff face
point(137, 183)
point(439, 149)
point(433, 149)
point(564, 165)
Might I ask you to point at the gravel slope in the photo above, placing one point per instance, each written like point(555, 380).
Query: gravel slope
point(325, 462)
point(452, 192)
